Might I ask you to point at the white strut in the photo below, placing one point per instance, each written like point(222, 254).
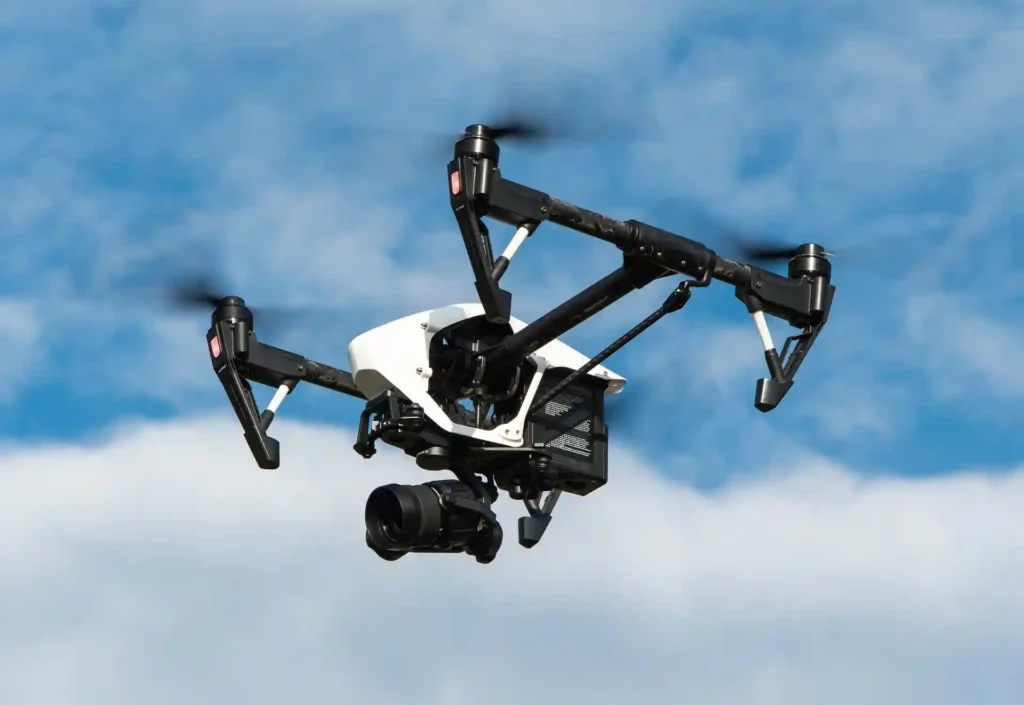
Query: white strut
point(522, 232)
point(275, 403)
point(762, 330)
point(268, 416)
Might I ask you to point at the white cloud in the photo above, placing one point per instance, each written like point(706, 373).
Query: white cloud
point(161, 566)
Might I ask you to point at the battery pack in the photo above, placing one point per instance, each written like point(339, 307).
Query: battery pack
point(570, 428)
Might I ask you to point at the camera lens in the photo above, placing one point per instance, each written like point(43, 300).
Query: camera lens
point(389, 515)
point(403, 516)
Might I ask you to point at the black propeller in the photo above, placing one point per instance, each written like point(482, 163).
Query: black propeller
point(522, 129)
point(573, 109)
point(758, 248)
point(762, 252)
point(202, 292)
point(562, 110)
point(535, 131)
point(742, 245)
point(194, 293)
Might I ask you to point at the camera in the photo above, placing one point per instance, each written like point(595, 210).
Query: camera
point(444, 516)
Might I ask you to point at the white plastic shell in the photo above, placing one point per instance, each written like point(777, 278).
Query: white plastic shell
point(396, 354)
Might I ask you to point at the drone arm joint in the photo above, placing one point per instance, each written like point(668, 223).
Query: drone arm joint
point(801, 302)
point(515, 204)
point(468, 191)
point(269, 366)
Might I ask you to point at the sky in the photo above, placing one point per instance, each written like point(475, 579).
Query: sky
point(861, 543)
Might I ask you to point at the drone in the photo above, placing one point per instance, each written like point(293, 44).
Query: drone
point(502, 405)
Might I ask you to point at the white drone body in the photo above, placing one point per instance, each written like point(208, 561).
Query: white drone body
point(396, 354)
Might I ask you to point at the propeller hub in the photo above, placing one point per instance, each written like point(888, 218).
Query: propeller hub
point(811, 249)
point(480, 131)
point(478, 141)
point(810, 260)
point(231, 308)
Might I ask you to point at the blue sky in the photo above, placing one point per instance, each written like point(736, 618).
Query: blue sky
point(145, 135)
point(288, 139)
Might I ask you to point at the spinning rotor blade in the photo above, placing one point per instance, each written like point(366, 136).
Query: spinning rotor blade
point(202, 293)
point(755, 252)
point(751, 248)
point(437, 145)
point(562, 109)
point(195, 293)
point(525, 131)
point(544, 127)
point(522, 129)
point(765, 249)
point(573, 109)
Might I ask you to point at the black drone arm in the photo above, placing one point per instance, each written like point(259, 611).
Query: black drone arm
point(802, 299)
point(239, 358)
point(462, 187)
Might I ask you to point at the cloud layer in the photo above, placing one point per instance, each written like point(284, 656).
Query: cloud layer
point(160, 565)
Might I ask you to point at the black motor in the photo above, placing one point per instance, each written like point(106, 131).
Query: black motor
point(443, 516)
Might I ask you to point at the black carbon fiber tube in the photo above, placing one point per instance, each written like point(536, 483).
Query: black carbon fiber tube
point(331, 378)
point(731, 272)
point(571, 313)
point(646, 242)
point(589, 223)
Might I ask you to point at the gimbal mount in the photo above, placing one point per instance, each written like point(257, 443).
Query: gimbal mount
point(481, 358)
